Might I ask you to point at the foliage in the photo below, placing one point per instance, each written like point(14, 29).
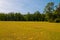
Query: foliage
point(50, 14)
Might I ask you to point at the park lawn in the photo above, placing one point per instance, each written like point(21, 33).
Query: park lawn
point(15, 30)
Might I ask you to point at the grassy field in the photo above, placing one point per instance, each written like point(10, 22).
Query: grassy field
point(29, 31)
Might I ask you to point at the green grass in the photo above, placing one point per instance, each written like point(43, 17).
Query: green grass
point(29, 31)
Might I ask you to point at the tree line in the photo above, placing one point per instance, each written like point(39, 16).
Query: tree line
point(51, 13)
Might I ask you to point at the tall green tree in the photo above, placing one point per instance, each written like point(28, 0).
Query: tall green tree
point(49, 11)
point(29, 17)
point(57, 13)
point(18, 17)
point(37, 16)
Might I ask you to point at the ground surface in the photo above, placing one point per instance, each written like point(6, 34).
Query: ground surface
point(29, 31)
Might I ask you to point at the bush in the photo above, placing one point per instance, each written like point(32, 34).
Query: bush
point(57, 20)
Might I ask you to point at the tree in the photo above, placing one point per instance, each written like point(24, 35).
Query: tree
point(49, 7)
point(43, 17)
point(57, 13)
point(49, 11)
point(37, 16)
point(19, 17)
point(2, 17)
point(10, 16)
point(29, 17)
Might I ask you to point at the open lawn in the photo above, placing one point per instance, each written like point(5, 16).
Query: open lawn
point(29, 30)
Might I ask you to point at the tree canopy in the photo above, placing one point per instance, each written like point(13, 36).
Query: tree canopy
point(50, 14)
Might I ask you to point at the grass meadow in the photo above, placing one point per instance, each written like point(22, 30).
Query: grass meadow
point(10, 30)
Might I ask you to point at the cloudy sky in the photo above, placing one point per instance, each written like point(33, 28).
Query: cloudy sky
point(24, 6)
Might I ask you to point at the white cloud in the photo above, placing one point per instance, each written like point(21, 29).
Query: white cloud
point(4, 4)
point(10, 5)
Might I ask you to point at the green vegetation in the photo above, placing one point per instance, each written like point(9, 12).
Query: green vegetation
point(29, 31)
point(51, 13)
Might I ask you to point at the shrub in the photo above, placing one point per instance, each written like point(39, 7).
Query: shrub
point(57, 20)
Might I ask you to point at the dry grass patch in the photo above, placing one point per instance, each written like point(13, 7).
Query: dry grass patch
point(29, 31)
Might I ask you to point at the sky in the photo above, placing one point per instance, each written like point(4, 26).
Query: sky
point(24, 6)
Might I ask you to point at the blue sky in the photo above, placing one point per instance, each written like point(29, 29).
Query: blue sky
point(24, 6)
